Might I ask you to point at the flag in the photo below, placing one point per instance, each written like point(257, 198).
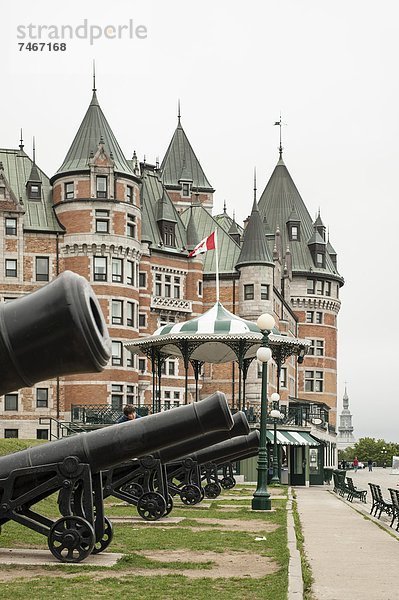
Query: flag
point(206, 244)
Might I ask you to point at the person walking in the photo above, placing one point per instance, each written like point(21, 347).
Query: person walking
point(370, 464)
point(355, 464)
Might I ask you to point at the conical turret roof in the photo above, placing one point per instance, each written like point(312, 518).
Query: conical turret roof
point(254, 249)
point(180, 163)
point(281, 200)
point(94, 128)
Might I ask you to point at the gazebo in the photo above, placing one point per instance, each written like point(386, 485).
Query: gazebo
point(217, 336)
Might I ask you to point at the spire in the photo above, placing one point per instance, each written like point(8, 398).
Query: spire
point(94, 76)
point(280, 124)
point(21, 142)
point(178, 113)
point(34, 176)
point(255, 204)
point(254, 249)
point(224, 208)
point(34, 150)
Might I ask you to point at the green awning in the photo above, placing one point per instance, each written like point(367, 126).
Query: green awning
point(292, 438)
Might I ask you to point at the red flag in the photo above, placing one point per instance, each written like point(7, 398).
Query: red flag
point(206, 244)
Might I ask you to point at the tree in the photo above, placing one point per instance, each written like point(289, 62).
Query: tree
point(367, 448)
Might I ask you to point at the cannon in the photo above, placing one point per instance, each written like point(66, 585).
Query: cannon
point(68, 464)
point(185, 474)
point(143, 482)
point(54, 331)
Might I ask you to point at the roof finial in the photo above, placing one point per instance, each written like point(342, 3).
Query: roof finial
point(178, 111)
point(255, 205)
point(94, 76)
point(224, 207)
point(234, 216)
point(280, 124)
point(21, 142)
point(34, 150)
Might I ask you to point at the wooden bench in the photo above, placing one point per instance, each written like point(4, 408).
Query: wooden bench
point(395, 506)
point(378, 503)
point(354, 492)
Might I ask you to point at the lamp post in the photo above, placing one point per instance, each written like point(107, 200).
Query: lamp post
point(384, 453)
point(275, 415)
point(261, 499)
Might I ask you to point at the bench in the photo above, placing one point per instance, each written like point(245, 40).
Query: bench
point(354, 492)
point(340, 486)
point(395, 506)
point(378, 503)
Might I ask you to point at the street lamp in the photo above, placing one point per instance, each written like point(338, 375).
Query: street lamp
point(275, 415)
point(261, 499)
point(384, 453)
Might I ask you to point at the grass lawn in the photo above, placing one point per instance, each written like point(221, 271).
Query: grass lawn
point(135, 576)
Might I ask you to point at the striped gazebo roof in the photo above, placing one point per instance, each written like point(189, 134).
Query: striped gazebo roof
point(217, 336)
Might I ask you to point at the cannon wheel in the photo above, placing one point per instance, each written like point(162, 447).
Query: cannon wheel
point(133, 489)
point(169, 506)
point(212, 490)
point(71, 539)
point(228, 483)
point(190, 494)
point(151, 506)
point(106, 539)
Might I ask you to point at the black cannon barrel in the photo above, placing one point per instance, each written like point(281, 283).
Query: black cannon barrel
point(171, 453)
point(113, 445)
point(56, 330)
point(236, 446)
point(238, 456)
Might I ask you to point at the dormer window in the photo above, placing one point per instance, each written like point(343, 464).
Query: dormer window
point(34, 191)
point(168, 233)
point(320, 259)
point(186, 190)
point(294, 232)
point(101, 186)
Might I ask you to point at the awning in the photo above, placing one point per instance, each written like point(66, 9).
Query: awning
point(292, 438)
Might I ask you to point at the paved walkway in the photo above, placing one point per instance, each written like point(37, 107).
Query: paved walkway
point(351, 557)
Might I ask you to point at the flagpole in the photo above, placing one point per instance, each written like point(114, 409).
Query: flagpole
point(217, 265)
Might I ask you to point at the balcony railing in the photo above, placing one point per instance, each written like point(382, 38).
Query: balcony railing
point(176, 304)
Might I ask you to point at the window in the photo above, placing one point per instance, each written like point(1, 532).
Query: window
point(327, 288)
point(249, 291)
point(42, 268)
point(176, 287)
point(142, 365)
point(264, 291)
point(100, 268)
point(117, 353)
point(283, 377)
point(142, 320)
point(168, 286)
point(319, 318)
point(319, 288)
point(186, 191)
point(130, 321)
point(200, 287)
point(167, 395)
point(131, 227)
point(102, 221)
point(313, 381)
point(142, 279)
point(11, 402)
point(2, 192)
point(309, 316)
point(42, 434)
point(11, 267)
point(158, 284)
point(34, 191)
point(117, 270)
point(129, 359)
point(117, 396)
point(101, 183)
point(129, 194)
point(11, 226)
point(69, 190)
point(168, 234)
point(10, 433)
point(117, 312)
point(172, 368)
point(129, 273)
point(42, 397)
point(294, 233)
point(311, 286)
point(319, 259)
point(130, 394)
point(316, 348)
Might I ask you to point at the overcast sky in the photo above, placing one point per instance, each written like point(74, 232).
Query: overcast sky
point(331, 68)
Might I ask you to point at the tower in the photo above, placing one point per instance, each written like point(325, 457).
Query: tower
point(345, 429)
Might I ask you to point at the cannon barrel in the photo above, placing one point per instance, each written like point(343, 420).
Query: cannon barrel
point(234, 447)
point(171, 453)
point(110, 446)
point(56, 330)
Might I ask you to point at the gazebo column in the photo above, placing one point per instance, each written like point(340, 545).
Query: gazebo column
point(245, 366)
point(197, 365)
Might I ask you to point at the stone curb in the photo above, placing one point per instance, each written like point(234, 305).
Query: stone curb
point(295, 581)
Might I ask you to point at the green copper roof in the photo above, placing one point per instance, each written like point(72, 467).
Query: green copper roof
point(254, 248)
point(39, 213)
point(94, 128)
point(228, 250)
point(228, 224)
point(152, 190)
point(276, 203)
point(180, 163)
point(165, 209)
point(192, 234)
